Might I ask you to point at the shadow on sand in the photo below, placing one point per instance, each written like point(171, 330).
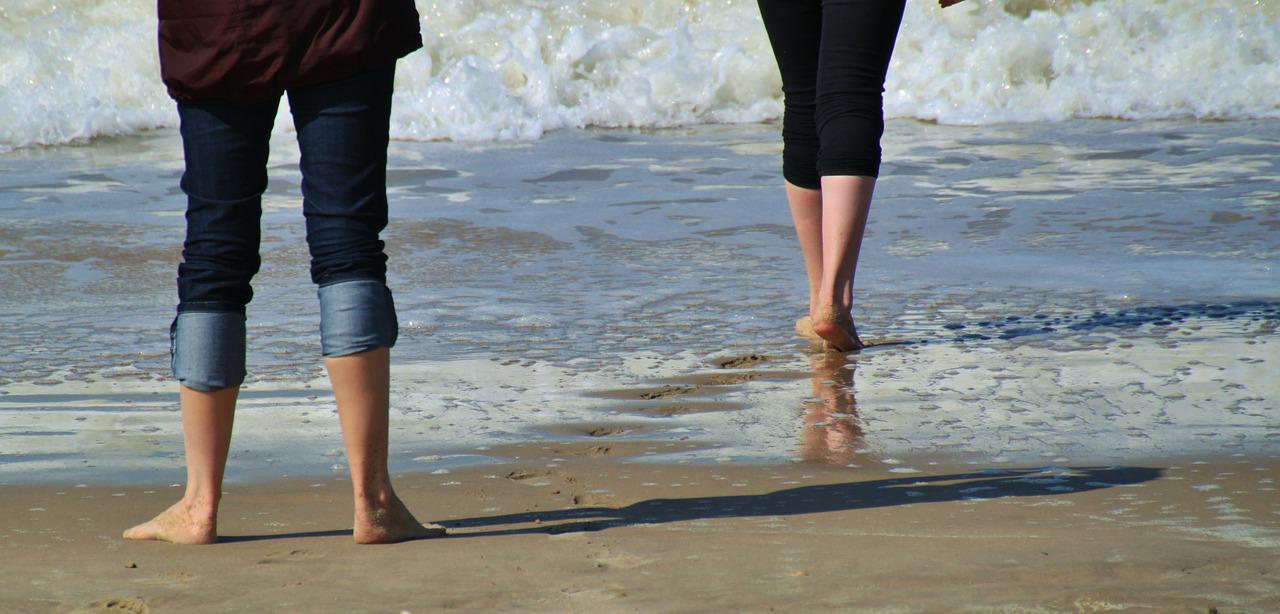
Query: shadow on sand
point(981, 484)
point(1012, 327)
point(232, 539)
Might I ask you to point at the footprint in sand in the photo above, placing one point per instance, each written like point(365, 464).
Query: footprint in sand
point(621, 560)
point(745, 360)
point(120, 604)
point(591, 451)
point(605, 431)
point(691, 407)
point(729, 379)
point(291, 555)
point(522, 474)
point(593, 500)
point(666, 392)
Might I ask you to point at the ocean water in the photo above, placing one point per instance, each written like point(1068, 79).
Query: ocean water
point(1072, 256)
point(516, 69)
point(1066, 292)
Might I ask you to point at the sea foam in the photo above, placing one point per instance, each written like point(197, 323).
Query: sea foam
point(515, 69)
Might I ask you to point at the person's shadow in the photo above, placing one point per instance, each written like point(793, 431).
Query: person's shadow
point(978, 484)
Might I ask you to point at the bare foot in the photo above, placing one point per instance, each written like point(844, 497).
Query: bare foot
point(836, 328)
point(180, 524)
point(390, 523)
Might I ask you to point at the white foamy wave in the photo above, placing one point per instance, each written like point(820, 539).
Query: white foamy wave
point(74, 70)
point(1028, 60)
point(514, 69)
point(494, 69)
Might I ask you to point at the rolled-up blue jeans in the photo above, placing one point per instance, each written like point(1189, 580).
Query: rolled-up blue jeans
point(342, 134)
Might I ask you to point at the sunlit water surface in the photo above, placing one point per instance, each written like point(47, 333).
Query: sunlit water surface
point(1065, 292)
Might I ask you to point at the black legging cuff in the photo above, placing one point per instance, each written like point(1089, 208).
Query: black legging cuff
point(849, 165)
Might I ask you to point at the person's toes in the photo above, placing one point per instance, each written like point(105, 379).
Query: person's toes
point(174, 525)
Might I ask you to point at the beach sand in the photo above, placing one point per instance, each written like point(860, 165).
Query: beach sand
point(556, 532)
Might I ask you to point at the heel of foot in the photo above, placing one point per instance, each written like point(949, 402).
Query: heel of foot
point(836, 329)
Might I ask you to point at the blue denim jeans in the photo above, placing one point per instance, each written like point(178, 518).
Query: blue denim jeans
point(342, 134)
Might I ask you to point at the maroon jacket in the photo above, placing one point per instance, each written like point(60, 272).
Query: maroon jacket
point(250, 50)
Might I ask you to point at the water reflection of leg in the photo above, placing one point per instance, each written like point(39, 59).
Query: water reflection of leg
point(831, 433)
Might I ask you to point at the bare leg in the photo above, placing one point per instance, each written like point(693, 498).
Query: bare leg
point(206, 432)
point(806, 214)
point(361, 385)
point(846, 202)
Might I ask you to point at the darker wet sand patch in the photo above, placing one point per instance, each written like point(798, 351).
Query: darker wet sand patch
point(868, 344)
point(742, 361)
point(667, 392)
point(574, 174)
point(696, 384)
point(688, 394)
point(525, 474)
point(553, 451)
point(120, 604)
point(596, 429)
point(605, 431)
point(700, 381)
point(682, 408)
point(644, 394)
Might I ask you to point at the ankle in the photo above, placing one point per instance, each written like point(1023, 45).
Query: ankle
point(831, 313)
point(825, 300)
point(200, 507)
point(375, 496)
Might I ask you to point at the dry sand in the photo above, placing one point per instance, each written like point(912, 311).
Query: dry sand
point(580, 528)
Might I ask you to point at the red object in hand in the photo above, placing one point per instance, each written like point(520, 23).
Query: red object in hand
point(946, 3)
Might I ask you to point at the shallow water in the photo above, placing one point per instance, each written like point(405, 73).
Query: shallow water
point(1081, 290)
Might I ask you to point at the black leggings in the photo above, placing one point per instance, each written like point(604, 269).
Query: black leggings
point(833, 56)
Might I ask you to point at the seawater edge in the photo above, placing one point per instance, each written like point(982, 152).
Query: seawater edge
point(635, 258)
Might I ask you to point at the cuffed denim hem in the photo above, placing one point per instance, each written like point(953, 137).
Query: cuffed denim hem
point(356, 316)
point(207, 349)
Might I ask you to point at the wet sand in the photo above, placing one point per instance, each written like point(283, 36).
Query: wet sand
point(561, 532)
